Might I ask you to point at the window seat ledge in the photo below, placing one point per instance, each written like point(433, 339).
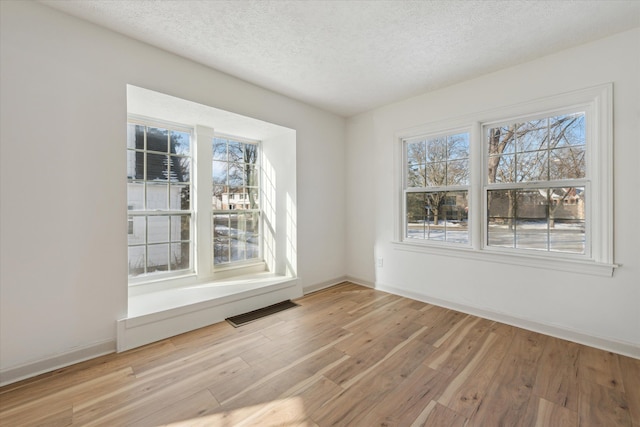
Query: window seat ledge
point(161, 314)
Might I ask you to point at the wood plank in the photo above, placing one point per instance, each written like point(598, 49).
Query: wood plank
point(545, 413)
point(409, 399)
point(468, 387)
point(630, 369)
point(508, 396)
point(599, 405)
point(557, 377)
point(602, 367)
point(443, 416)
point(453, 351)
point(185, 408)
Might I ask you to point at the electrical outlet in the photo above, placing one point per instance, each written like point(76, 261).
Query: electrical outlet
point(379, 262)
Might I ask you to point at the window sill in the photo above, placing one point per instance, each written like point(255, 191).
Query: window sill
point(161, 314)
point(560, 264)
point(218, 291)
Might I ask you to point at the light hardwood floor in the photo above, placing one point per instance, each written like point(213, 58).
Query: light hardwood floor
point(348, 356)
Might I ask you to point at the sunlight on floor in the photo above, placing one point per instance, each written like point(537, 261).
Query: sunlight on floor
point(281, 412)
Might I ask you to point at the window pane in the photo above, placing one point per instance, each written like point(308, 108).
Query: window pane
point(531, 166)
point(157, 140)
point(568, 236)
point(180, 256)
point(233, 225)
point(455, 214)
point(567, 130)
point(567, 163)
point(435, 174)
point(251, 154)
point(221, 225)
point(435, 215)
point(236, 151)
point(135, 196)
point(220, 250)
point(180, 143)
point(416, 216)
point(416, 153)
point(436, 149)
point(502, 168)
point(567, 220)
point(180, 228)
point(531, 219)
point(157, 195)
point(533, 136)
point(458, 172)
point(179, 197)
point(219, 149)
point(236, 174)
point(253, 195)
point(138, 234)
point(501, 229)
point(157, 167)
point(501, 140)
point(252, 224)
point(251, 174)
point(531, 205)
point(458, 146)
point(157, 229)
point(416, 175)
point(218, 191)
point(135, 164)
point(219, 173)
point(157, 258)
point(531, 234)
point(136, 260)
point(237, 250)
point(180, 169)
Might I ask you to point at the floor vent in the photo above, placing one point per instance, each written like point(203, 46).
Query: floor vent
point(243, 319)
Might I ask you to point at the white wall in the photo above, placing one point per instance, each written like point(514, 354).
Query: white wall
point(604, 312)
point(63, 106)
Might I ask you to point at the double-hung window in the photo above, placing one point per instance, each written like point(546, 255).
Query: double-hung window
point(437, 188)
point(160, 211)
point(529, 184)
point(537, 187)
point(236, 196)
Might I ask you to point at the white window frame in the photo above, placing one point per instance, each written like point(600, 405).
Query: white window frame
point(445, 188)
point(202, 264)
point(597, 103)
point(169, 275)
point(232, 265)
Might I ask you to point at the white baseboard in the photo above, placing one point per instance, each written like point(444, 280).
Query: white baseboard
point(361, 282)
point(329, 283)
point(607, 344)
point(323, 285)
point(58, 361)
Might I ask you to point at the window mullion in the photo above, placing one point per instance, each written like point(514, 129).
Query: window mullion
point(204, 191)
point(477, 197)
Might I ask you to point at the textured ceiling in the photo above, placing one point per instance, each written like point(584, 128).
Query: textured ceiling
point(351, 56)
